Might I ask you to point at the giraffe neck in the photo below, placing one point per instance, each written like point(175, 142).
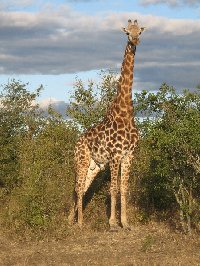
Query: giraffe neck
point(126, 78)
point(123, 103)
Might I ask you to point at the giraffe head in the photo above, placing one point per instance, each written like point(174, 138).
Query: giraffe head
point(133, 31)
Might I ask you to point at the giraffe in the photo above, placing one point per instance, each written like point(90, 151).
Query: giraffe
point(112, 141)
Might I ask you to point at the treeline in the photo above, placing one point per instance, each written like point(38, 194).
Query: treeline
point(36, 158)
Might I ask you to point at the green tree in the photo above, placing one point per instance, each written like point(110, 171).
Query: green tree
point(171, 136)
point(19, 115)
point(90, 102)
point(45, 168)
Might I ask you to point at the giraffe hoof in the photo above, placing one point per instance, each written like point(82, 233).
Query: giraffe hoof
point(114, 228)
point(71, 220)
point(127, 228)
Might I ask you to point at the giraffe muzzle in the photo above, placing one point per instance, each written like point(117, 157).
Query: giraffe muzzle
point(134, 40)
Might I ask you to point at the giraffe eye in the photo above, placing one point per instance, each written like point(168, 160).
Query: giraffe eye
point(127, 33)
point(140, 33)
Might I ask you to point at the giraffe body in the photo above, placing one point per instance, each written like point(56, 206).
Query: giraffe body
point(112, 141)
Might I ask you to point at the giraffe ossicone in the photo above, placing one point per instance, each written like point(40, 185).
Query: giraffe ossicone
point(112, 141)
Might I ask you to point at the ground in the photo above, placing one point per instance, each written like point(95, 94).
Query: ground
point(152, 244)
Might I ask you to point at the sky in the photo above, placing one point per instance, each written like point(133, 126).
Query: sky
point(53, 42)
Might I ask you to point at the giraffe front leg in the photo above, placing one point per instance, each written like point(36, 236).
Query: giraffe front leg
point(83, 186)
point(114, 168)
point(93, 170)
point(82, 162)
point(77, 207)
point(125, 171)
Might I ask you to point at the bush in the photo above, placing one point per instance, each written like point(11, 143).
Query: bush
point(46, 171)
point(18, 115)
point(171, 138)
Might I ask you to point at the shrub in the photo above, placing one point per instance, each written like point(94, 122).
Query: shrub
point(46, 171)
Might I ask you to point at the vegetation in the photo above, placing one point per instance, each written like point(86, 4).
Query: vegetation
point(171, 140)
point(89, 105)
point(37, 171)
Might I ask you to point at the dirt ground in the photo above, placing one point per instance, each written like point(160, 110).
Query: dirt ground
point(153, 244)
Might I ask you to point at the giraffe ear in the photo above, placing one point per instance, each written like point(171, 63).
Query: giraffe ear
point(143, 29)
point(125, 30)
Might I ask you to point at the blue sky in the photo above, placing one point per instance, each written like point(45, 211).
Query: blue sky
point(52, 42)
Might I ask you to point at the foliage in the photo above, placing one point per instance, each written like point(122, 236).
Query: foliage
point(46, 170)
point(88, 105)
point(172, 137)
point(18, 115)
point(40, 177)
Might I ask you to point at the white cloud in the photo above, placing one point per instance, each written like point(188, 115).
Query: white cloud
point(59, 106)
point(44, 104)
point(63, 41)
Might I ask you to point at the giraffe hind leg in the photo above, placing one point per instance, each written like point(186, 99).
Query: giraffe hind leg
point(125, 172)
point(114, 168)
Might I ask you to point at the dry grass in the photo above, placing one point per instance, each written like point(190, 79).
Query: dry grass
point(152, 244)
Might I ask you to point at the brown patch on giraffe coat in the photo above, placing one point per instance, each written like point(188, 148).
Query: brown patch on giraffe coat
point(129, 58)
point(101, 134)
point(127, 99)
point(114, 135)
point(120, 126)
point(107, 138)
point(102, 128)
point(118, 145)
point(119, 138)
point(125, 142)
point(121, 132)
point(101, 150)
point(114, 125)
point(109, 144)
point(112, 131)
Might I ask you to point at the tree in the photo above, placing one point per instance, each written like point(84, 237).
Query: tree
point(171, 133)
point(19, 115)
point(41, 183)
point(47, 177)
point(89, 104)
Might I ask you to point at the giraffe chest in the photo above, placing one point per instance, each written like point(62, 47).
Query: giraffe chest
point(111, 139)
